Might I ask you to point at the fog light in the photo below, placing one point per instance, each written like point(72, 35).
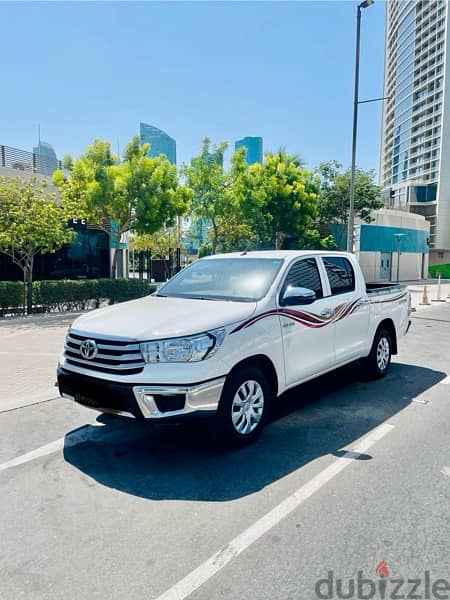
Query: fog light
point(146, 402)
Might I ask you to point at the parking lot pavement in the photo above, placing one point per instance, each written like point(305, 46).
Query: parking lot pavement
point(29, 350)
point(347, 474)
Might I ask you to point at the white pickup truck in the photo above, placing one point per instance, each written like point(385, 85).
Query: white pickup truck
point(230, 333)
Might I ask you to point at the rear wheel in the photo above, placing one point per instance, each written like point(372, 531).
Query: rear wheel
point(243, 408)
point(379, 359)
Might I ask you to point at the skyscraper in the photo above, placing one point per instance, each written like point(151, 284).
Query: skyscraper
point(160, 142)
point(415, 145)
point(45, 159)
point(254, 147)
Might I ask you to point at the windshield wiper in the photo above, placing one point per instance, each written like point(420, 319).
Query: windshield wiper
point(200, 298)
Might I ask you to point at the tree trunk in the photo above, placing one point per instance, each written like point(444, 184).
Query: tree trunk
point(28, 281)
point(279, 237)
point(115, 256)
point(214, 238)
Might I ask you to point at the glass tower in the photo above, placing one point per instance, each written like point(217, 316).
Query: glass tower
point(160, 142)
point(254, 147)
point(415, 146)
point(46, 161)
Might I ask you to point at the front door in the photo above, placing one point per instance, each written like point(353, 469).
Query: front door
point(385, 266)
point(308, 333)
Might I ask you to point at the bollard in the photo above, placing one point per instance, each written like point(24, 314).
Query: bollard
point(425, 301)
point(439, 299)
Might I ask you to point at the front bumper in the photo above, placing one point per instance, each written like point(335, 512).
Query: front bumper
point(149, 402)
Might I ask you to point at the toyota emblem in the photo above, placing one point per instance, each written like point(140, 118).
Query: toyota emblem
point(89, 349)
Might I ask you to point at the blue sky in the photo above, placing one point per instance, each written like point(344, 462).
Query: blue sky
point(282, 70)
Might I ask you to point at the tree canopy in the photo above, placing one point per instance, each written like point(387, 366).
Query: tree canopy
point(32, 220)
point(140, 193)
point(279, 198)
point(334, 196)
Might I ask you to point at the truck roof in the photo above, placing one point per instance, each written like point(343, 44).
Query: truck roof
point(275, 253)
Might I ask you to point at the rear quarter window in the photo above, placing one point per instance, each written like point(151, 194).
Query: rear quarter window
point(340, 274)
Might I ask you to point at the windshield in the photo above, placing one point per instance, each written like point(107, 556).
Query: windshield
point(237, 279)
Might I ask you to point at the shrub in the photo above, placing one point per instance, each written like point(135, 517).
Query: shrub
point(444, 270)
point(66, 294)
point(11, 297)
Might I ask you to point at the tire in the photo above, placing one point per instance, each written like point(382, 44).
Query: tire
point(243, 408)
point(379, 359)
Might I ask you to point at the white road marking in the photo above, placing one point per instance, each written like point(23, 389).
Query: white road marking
point(446, 381)
point(220, 559)
point(65, 442)
point(446, 471)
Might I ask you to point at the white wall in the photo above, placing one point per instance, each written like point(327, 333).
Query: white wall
point(410, 266)
point(410, 263)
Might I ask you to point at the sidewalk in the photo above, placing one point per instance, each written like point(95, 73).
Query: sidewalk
point(29, 351)
point(416, 290)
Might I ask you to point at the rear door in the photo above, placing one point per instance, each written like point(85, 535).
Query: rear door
point(308, 333)
point(350, 308)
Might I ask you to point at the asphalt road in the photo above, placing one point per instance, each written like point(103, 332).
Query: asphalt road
point(348, 474)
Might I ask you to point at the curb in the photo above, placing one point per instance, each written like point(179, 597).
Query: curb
point(17, 403)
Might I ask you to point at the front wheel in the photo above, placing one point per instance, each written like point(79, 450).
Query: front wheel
point(243, 408)
point(379, 359)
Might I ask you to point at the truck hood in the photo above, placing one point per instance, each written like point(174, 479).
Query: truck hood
point(158, 318)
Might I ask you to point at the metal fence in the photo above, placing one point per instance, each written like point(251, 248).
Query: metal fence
point(22, 160)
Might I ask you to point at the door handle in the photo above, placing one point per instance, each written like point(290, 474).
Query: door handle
point(326, 312)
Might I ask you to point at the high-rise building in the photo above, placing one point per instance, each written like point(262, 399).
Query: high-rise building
point(415, 145)
point(160, 142)
point(45, 159)
point(254, 147)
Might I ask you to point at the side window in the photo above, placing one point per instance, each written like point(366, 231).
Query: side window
point(340, 274)
point(305, 273)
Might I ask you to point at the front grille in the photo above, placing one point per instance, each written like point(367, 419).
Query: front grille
point(120, 357)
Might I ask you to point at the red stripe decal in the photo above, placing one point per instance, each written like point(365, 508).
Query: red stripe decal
point(307, 319)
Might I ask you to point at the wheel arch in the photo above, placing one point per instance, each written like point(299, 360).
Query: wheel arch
point(264, 363)
point(389, 325)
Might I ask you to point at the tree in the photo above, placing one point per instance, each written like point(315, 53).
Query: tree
point(139, 194)
point(218, 198)
point(32, 220)
point(208, 181)
point(334, 196)
point(158, 244)
point(280, 199)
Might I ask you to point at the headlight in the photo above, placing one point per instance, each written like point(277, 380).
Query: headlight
point(188, 349)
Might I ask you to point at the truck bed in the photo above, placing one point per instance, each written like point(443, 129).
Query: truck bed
point(382, 289)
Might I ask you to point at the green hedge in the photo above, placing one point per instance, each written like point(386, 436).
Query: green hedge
point(444, 270)
point(11, 297)
point(69, 294)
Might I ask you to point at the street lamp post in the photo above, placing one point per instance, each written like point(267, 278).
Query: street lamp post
point(398, 237)
point(351, 215)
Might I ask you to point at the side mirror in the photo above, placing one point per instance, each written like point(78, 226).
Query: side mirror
point(297, 295)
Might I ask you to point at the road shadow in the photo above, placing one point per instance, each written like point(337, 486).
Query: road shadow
point(178, 462)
